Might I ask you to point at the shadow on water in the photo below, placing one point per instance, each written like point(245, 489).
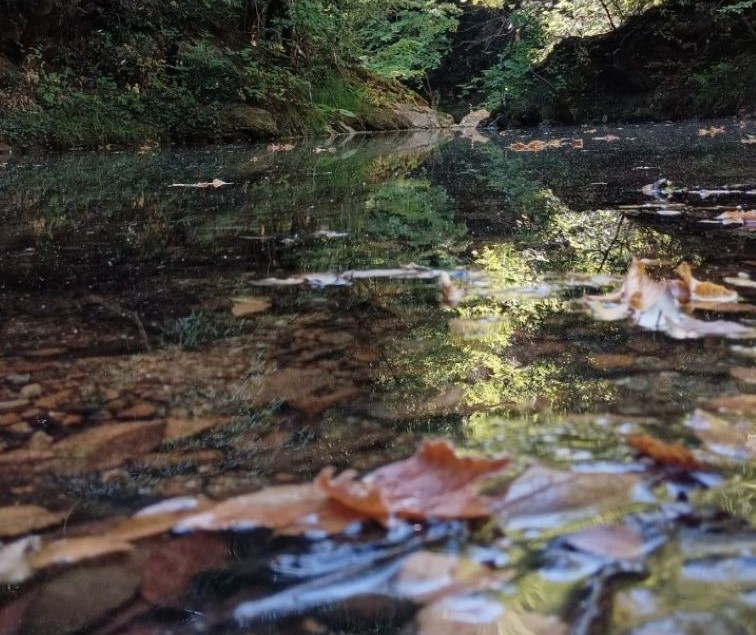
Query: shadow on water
point(161, 339)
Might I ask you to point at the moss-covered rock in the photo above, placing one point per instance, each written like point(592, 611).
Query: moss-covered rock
point(423, 117)
point(242, 120)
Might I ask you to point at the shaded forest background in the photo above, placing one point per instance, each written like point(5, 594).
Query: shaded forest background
point(88, 73)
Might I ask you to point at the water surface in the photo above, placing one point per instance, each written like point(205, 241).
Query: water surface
point(130, 298)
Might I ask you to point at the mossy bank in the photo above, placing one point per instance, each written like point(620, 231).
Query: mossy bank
point(99, 73)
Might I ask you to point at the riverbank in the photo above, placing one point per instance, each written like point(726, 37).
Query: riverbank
point(133, 74)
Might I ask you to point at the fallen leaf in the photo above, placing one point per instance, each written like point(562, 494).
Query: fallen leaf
point(747, 375)
point(71, 550)
point(281, 147)
point(482, 615)
point(741, 404)
point(542, 496)
point(179, 428)
point(656, 306)
point(14, 559)
point(673, 455)
point(22, 519)
point(731, 439)
point(741, 280)
point(245, 306)
point(426, 576)
point(157, 519)
point(293, 509)
point(435, 482)
point(711, 132)
point(738, 217)
point(107, 445)
point(203, 184)
point(611, 541)
point(704, 291)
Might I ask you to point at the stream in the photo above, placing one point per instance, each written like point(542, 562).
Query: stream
point(197, 324)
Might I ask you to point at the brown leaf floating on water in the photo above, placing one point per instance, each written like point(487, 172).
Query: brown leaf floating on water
point(657, 306)
point(741, 373)
point(741, 404)
point(611, 541)
point(482, 615)
point(704, 291)
point(541, 491)
point(739, 217)
point(72, 550)
point(293, 509)
point(250, 305)
point(730, 439)
point(673, 455)
point(22, 519)
point(435, 482)
point(711, 132)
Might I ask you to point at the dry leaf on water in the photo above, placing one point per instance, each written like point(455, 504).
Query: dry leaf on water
point(427, 575)
point(71, 550)
point(730, 439)
point(742, 280)
point(216, 183)
point(481, 615)
point(245, 306)
point(747, 375)
point(293, 509)
point(22, 519)
point(711, 132)
point(658, 305)
point(704, 291)
point(538, 145)
point(535, 497)
point(673, 455)
point(611, 541)
point(741, 404)
point(738, 217)
point(14, 559)
point(435, 482)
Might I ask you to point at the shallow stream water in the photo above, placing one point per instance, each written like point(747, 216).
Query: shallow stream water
point(163, 335)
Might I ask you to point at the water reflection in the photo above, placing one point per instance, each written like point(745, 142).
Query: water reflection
point(132, 306)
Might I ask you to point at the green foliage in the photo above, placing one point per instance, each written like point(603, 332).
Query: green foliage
point(737, 75)
point(413, 212)
point(207, 73)
point(409, 38)
point(512, 82)
point(509, 82)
